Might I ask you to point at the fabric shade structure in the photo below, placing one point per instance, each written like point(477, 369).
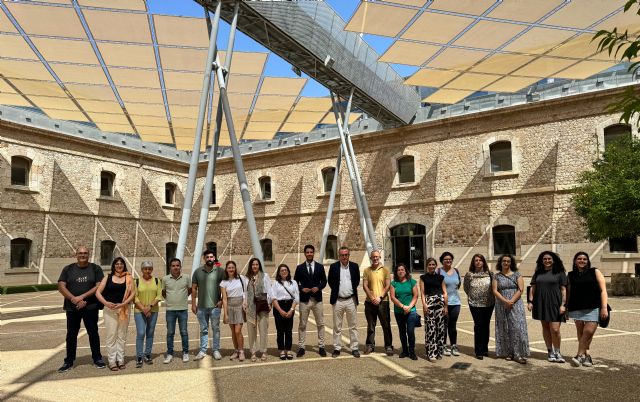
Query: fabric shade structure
point(488, 45)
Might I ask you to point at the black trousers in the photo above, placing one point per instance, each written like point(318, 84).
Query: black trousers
point(284, 326)
point(451, 320)
point(372, 313)
point(90, 319)
point(481, 320)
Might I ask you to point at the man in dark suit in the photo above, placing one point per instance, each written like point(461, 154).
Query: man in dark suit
point(344, 278)
point(311, 279)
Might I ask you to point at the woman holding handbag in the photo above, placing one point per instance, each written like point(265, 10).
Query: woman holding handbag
point(587, 304)
point(404, 295)
point(286, 297)
point(258, 308)
point(233, 288)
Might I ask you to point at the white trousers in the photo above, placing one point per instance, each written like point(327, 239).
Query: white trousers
point(339, 309)
point(305, 308)
point(116, 338)
point(262, 326)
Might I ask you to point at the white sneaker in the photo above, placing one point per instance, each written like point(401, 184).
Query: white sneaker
point(167, 359)
point(217, 355)
point(447, 351)
point(185, 357)
point(551, 356)
point(200, 356)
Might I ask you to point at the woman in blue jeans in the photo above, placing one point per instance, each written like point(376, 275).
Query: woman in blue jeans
point(404, 295)
point(148, 295)
point(452, 281)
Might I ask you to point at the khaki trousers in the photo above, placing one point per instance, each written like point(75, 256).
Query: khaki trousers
point(116, 335)
point(339, 309)
point(305, 308)
point(261, 325)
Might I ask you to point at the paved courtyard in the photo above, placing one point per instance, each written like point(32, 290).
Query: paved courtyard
point(32, 332)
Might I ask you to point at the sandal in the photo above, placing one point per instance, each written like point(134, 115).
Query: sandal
point(122, 366)
point(234, 355)
point(254, 358)
point(283, 355)
point(264, 356)
point(113, 368)
point(241, 355)
point(289, 356)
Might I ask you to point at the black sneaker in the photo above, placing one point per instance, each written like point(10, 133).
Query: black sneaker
point(99, 364)
point(139, 362)
point(65, 367)
point(301, 352)
point(402, 355)
point(147, 359)
point(412, 356)
point(355, 353)
point(389, 350)
point(335, 353)
point(322, 352)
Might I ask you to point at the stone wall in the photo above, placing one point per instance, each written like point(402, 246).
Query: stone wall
point(455, 196)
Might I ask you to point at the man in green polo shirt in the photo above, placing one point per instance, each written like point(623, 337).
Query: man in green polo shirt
point(176, 288)
point(205, 284)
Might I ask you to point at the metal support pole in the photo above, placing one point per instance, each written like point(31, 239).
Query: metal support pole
point(332, 197)
point(242, 177)
point(354, 184)
point(213, 153)
point(363, 199)
point(193, 165)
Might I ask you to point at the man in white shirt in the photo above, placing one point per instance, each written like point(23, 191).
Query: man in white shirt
point(344, 278)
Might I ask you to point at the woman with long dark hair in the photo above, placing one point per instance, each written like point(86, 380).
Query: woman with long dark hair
point(477, 286)
point(234, 294)
point(404, 296)
point(587, 303)
point(285, 298)
point(116, 292)
point(434, 306)
point(547, 300)
point(512, 340)
point(258, 308)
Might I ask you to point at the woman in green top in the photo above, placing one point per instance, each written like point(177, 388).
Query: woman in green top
point(148, 295)
point(404, 295)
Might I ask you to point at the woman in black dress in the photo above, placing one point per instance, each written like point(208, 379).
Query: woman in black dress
point(547, 299)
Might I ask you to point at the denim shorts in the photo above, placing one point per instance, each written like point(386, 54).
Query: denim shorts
point(585, 315)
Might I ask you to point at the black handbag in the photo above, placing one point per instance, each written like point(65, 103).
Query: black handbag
point(605, 323)
point(418, 321)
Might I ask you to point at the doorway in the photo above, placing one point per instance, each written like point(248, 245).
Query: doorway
point(408, 245)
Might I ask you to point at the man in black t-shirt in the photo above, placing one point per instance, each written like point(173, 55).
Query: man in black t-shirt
point(78, 283)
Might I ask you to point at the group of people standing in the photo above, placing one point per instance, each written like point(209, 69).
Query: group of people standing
point(249, 299)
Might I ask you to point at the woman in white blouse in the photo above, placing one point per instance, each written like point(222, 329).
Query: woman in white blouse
point(285, 298)
point(234, 304)
point(258, 308)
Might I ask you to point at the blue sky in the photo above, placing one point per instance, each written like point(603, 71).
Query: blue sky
point(275, 66)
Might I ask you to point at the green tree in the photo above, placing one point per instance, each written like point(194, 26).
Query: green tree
point(624, 46)
point(609, 196)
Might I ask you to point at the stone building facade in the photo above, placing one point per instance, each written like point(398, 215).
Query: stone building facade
point(455, 200)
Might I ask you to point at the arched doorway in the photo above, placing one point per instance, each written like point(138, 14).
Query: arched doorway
point(408, 245)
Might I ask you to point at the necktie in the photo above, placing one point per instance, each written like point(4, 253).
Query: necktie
point(310, 269)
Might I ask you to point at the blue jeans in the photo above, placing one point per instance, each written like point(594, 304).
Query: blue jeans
point(407, 329)
point(182, 316)
point(204, 316)
point(145, 327)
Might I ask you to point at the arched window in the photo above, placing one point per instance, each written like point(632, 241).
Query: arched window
point(331, 251)
point(267, 249)
point(500, 155)
point(107, 248)
point(265, 187)
point(213, 195)
point(504, 240)
point(169, 193)
point(20, 169)
point(328, 174)
point(213, 246)
point(20, 251)
point(623, 244)
point(406, 169)
point(106, 184)
point(171, 249)
point(616, 132)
